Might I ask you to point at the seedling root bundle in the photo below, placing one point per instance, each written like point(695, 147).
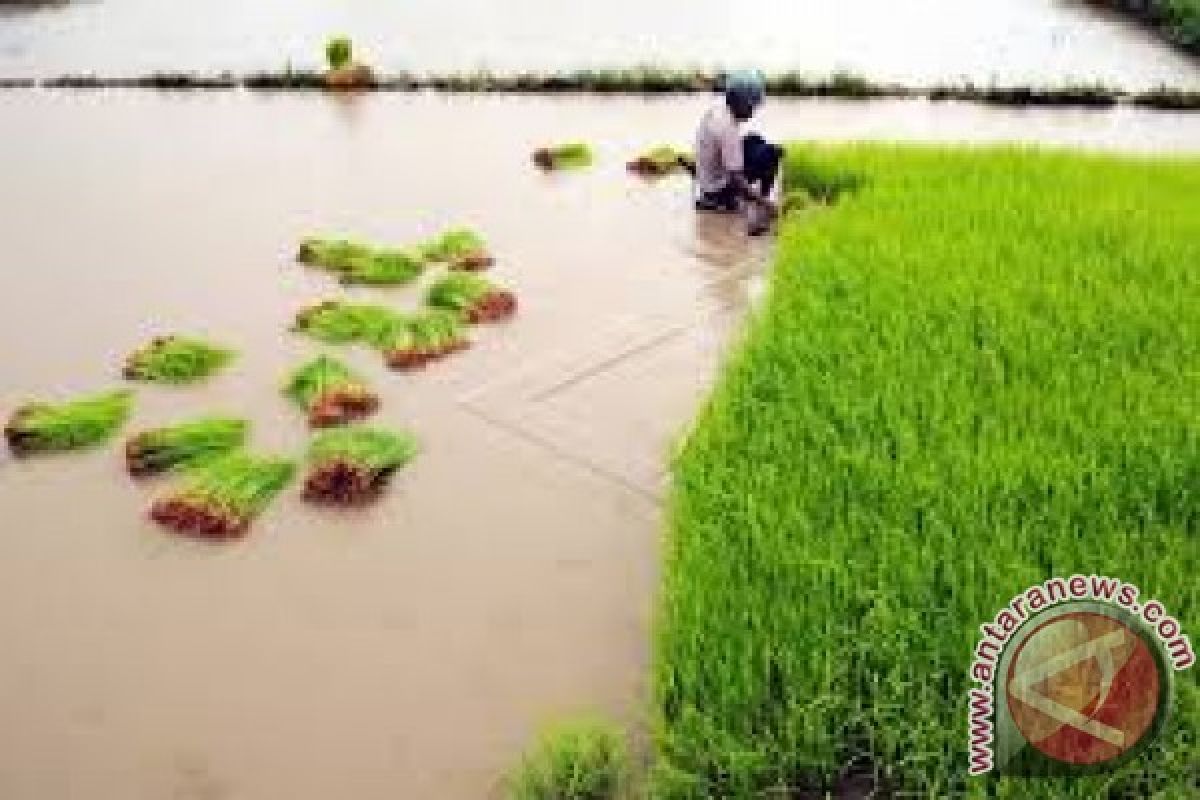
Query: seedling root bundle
point(183, 445)
point(220, 498)
point(459, 249)
point(662, 160)
point(175, 359)
point(569, 155)
point(330, 392)
point(425, 337)
point(474, 297)
point(352, 466)
point(46, 427)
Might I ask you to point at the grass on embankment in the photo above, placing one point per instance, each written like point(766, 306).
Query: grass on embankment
point(1177, 21)
point(977, 370)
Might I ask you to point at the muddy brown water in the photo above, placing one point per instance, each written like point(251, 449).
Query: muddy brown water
point(920, 41)
point(408, 649)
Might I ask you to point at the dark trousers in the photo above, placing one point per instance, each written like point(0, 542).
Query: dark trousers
point(760, 160)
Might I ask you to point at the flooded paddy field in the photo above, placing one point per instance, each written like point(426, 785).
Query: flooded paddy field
point(407, 649)
point(930, 41)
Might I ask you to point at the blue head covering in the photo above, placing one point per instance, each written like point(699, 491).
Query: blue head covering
point(744, 91)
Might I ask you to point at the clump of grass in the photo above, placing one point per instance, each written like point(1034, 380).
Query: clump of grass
point(183, 445)
point(476, 298)
point(980, 373)
point(795, 200)
point(355, 263)
point(423, 337)
point(337, 322)
point(568, 155)
point(176, 359)
point(582, 759)
point(1177, 21)
point(458, 248)
point(662, 160)
point(330, 392)
point(46, 427)
point(339, 52)
point(220, 498)
point(353, 465)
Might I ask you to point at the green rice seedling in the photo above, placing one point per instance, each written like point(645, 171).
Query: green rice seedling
point(662, 160)
point(176, 359)
point(339, 51)
point(424, 337)
point(383, 268)
point(476, 298)
point(350, 466)
point(330, 392)
point(795, 200)
point(334, 255)
point(45, 427)
point(580, 759)
point(337, 322)
point(458, 248)
point(183, 445)
point(569, 155)
point(978, 372)
point(221, 497)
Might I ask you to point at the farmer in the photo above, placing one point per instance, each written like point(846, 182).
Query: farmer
point(736, 171)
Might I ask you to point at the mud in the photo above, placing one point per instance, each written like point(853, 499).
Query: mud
point(495, 306)
point(194, 518)
point(408, 647)
point(344, 483)
point(342, 406)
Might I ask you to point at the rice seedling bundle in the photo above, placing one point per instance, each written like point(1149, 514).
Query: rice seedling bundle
point(336, 322)
point(459, 248)
point(334, 255)
point(976, 372)
point(385, 267)
point(220, 498)
point(661, 160)
point(183, 445)
point(579, 759)
point(569, 155)
point(424, 337)
point(330, 392)
point(46, 427)
point(349, 466)
point(339, 51)
point(476, 298)
point(176, 359)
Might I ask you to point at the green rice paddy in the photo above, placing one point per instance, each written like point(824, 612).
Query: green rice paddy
point(977, 369)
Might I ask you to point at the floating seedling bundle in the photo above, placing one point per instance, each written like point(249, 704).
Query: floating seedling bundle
point(330, 392)
point(220, 498)
point(570, 155)
point(476, 298)
point(45, 427)
point(661, 160)
point(353, 465)
point(176, 359)
point(459, 249)
point(336, 322)
point(184, 445)
point(424, 337)
point(359, 264)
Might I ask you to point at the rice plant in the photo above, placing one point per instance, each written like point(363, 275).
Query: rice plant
point(580, 759)
point(183, 445)
point(221, 497)
point(334, 255)
point(336, 322)
point(176, 359)
point(476, 298)
point(339, 51)
point(977, 371)
point(353, 465)
point(44, 427)
point(569, 155)
point(424, 337)
point(384, 267)
point(662, 160)
point(458, 248)
point(330, 392)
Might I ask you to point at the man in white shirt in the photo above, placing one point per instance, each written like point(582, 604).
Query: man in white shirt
point(734, 171)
